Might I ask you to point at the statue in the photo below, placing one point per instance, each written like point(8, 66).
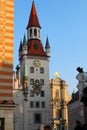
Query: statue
point(82, 78)
point(80, 70)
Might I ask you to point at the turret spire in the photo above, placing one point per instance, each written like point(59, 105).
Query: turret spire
point(33, 20)
point(47, 46)
point(20, 48)
point(35, 46)
point(24, 40)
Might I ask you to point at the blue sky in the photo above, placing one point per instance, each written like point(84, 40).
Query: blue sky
point(65, 24)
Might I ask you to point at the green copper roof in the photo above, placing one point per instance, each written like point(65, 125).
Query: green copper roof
point(25, 72)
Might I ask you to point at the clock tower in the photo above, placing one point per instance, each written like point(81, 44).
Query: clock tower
point(34, 85)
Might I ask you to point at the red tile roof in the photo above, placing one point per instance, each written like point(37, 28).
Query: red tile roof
point(33, 20)
point(37, 52)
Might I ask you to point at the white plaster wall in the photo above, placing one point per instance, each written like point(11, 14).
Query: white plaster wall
point(23, 112)
point(45, 112)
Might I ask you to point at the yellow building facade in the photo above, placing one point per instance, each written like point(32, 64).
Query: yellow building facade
point(6, 63)
point(59, 101)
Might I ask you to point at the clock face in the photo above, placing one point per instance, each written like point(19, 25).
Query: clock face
point(36, 63)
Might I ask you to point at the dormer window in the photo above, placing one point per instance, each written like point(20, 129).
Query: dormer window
point(35, 46)
point(35, 32)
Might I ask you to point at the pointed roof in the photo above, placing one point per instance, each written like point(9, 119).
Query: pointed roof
point(24, 40)
point(47, 44)
point(20, 48)
point(36, 52)
point(33, 19)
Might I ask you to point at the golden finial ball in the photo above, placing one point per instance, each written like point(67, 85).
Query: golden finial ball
point(56, 74)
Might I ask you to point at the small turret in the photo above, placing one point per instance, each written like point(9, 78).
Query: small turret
point(24, 40)
point(20, 49)
point(24, 46)
point(47, 47)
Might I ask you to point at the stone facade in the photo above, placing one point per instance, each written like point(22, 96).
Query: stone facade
point(6, 117)
point(42, 104)
point(77, 110)
point(32, 83)
point(26, 110)
point(59, 100)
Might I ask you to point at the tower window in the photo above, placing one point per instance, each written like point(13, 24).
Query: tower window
point(37, 104)
point(35, 32)
point(31, 69)
point(42, 94)
point(30, 32)
point(41, 70)
point(35, 46)
point(31, 104)
point(31, 81)
point(37, 118)
point(31, 93)
point(42, 81)
point(43, 104)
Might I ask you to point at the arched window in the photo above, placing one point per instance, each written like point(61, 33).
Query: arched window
point(57, 93)
point(35, 32)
